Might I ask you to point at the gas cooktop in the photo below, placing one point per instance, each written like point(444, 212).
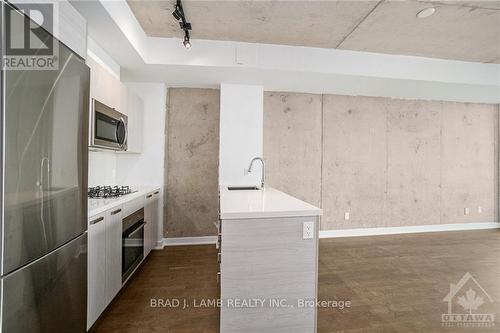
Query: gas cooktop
point(107, 192)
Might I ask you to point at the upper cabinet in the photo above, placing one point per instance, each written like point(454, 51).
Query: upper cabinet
point(135, 113)
point(104, 86)
point(107, 89)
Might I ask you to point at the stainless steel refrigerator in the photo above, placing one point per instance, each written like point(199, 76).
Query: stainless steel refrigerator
point(44, 137)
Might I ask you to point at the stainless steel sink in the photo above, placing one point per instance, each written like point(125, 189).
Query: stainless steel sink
point(243, 188)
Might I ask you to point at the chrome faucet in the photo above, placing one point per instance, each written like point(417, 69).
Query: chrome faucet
point(263, 169)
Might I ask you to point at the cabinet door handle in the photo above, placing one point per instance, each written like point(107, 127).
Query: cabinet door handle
point(116, 211)
point(149, 196)
point(156, 192)
point(97, 220)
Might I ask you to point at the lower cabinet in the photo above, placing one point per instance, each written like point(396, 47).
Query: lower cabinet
point(96, 271)
point(151, 217)
point(113, 253)
point(104, 261)
point(148, 218)
point(155, 230)
point(105, 250)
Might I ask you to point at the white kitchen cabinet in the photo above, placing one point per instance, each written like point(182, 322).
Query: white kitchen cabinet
point(95, 78)
point(151, 216)
point(135, 114)
point(148, 218)
point(96, 291)
point(113, 252)
point(123, 104)
point(155, 218)
point(104, 86)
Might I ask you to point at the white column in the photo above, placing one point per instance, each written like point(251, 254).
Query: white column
point(241, 133)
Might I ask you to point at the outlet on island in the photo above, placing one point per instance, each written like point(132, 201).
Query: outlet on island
point(308, 230)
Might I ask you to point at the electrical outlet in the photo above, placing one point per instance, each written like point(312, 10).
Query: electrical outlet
point(245, 172)
point(308, 230)
point(347, 216)
point(466, 211)
point(479, 210)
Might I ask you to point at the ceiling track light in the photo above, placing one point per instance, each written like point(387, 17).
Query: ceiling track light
point(178, 14)
point(187, 43)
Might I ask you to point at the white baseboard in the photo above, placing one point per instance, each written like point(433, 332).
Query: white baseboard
point(159, 245)
point(406, 230)
point(204, 240)
point(189, 241)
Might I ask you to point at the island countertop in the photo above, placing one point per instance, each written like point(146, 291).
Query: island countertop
point(265, 203)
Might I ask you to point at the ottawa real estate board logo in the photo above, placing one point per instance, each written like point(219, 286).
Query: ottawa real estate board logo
point(29, 41)
point(469, 305)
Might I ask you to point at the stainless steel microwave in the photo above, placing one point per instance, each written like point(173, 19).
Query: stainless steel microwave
point(108, 127)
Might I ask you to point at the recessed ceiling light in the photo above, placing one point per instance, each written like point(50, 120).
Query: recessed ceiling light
point(426, 12)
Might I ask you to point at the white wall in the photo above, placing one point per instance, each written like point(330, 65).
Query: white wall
point(241, 133)
point(146, 168)
point(102, 167)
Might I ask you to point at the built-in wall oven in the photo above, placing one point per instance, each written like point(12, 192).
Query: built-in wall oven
point(108, 127)
point(132, 242)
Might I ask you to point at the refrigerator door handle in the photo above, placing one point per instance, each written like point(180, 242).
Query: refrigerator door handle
point(42, 203)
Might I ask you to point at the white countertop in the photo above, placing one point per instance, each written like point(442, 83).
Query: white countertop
point(266, 203)
point(98, 206)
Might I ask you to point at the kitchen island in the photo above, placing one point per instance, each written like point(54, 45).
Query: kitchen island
point(268, 243)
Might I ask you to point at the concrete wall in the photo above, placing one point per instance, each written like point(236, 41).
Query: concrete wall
point(292, 144)
point(354, 161)
point(387, 162)
point(192, 164)
point(413, 163)
point(469, 162)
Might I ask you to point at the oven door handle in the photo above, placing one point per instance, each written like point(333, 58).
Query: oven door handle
point(128, 233)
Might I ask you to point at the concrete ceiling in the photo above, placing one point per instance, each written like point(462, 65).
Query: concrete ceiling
point(459, 30)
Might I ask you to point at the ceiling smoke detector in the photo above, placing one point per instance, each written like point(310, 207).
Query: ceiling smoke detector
point(426, 12)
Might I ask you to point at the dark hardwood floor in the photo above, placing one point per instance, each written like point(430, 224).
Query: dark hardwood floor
point(396, 283)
